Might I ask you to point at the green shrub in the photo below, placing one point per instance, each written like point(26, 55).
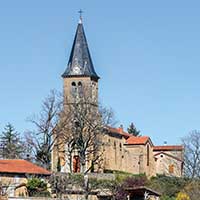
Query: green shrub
point(120, 177)
point(167, 198)
point(168, 186)
point(37, 188)
point(101, 184)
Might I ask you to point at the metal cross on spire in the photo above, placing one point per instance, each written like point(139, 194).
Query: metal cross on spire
point(80, 17)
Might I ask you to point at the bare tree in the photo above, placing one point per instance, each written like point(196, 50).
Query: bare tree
point(47, 128)
point(86, 128)
point(192, 189)
point(192, 154)
point(70, 126)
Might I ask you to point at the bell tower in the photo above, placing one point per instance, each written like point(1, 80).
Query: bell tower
point(80, 77)
point(80, 88)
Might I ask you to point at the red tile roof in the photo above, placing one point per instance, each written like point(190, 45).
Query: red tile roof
point(168, 148)
point(119, 131)
point(137, 140)
point(21, 167)
point(130, 139)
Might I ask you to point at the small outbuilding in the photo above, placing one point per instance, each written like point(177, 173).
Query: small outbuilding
point(14, 175)
point(142, 193)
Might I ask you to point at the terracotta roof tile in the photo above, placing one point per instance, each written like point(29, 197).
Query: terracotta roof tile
point(168, 148)
point(119, 131)
point(137, 140)
point(21, 167)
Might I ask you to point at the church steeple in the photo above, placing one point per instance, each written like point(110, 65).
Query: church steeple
point(80, 62)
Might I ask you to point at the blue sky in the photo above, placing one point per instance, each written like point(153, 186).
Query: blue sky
point(146, 52)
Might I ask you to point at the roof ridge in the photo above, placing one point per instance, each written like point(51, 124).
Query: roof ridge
point(21, 166)
point(175, 157)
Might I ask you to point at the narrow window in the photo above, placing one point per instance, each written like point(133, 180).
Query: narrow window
point(74, 89)
point(114, 145)
point(76, 164)
point(171, 169)
point(147, 155)
point(80, 89)
point(79, 84)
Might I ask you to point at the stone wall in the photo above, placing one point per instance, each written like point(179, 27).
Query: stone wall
point(128, 158)
point(67, 197)
point(14, 184)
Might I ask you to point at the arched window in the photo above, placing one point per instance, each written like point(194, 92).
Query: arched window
point(73, 84)
point(80, 89)
point(79, 84)
point(76, 164)
point(73, 89)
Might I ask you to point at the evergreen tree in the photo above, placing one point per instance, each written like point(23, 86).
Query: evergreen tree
point(132, 130)
point(11, 145)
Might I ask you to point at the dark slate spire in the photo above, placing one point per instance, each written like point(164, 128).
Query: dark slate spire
point(80, 62)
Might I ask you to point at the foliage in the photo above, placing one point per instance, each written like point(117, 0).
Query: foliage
point(182, 196)
point(11, 144)
point(37, 188)
point(101, 183)
point(120, 177)
point(165, 197)
point(132, 130)
point(168, 186)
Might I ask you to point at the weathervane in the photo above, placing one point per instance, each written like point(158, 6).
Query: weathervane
point(80, 18)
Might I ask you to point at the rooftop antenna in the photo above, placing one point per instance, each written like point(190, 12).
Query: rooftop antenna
point(80, 16)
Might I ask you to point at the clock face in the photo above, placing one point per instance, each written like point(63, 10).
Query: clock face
point(76, 70)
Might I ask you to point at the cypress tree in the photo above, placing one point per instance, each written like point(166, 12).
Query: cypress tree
point(132, 130)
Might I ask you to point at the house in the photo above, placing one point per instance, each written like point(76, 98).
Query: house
point(15, 173)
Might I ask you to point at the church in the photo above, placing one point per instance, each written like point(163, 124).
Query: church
point(120, 150)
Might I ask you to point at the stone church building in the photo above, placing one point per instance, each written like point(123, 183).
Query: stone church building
point(121, 151)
